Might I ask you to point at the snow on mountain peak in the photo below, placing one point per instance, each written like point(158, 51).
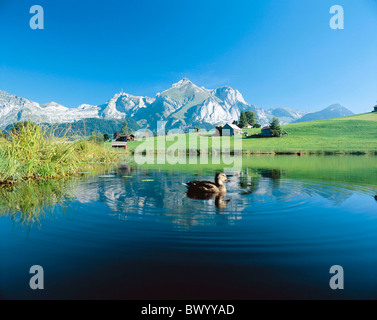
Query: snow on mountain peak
point(181, 83)
point(52, 105)
point(229, 95)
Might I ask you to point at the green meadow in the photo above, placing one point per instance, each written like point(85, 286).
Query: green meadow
point(355, 134)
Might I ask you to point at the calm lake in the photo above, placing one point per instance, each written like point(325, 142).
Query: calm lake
point(133, 233)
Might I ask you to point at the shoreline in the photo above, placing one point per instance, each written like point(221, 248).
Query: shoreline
point(261, 152)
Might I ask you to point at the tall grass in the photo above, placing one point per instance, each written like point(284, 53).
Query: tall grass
point(33, 153)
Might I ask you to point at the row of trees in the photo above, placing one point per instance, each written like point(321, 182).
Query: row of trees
point(250, 117)
point(247, 117)
point(99, 137)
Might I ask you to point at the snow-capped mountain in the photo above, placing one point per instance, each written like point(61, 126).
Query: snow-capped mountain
point(183, 105)
point(14, 109)
point(123, 105)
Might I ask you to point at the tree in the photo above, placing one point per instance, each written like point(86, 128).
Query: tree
point(106, 137)
point(219, 130)
point(96, 137)
point(100, 137)
point(251, 117)
point(92, 137)
point(275, 127)
point(243, 120)
point(125, 127)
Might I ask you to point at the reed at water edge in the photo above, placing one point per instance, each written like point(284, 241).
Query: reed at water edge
point(32, 152)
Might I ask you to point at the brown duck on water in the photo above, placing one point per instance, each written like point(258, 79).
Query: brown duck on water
point(206, 188)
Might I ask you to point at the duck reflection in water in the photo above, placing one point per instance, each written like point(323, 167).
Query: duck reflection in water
point(207, 190)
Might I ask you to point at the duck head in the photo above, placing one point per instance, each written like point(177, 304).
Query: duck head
point(220, 178)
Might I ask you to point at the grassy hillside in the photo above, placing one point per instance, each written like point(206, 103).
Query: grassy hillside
point(371, 116)
point(346, 134)
point(351, 134)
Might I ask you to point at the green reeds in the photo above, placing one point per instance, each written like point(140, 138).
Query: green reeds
point(32, 152)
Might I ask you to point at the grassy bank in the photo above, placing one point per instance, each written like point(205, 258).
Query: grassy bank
point(348, 135)
point(32, 153)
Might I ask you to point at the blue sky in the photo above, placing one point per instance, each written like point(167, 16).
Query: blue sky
point(277, 53)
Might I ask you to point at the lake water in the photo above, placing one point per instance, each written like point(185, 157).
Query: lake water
point(132, 233)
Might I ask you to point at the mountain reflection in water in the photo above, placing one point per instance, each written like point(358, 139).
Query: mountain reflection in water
point(132, 192)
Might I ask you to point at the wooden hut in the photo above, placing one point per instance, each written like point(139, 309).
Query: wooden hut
point(120, 141)
point(231, 130)
point(266, 132)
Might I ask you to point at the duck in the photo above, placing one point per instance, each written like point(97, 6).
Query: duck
point(204, 188)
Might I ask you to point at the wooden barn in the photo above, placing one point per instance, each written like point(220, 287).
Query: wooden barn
point(119, 144)
point(231, 130)
point(122, 139)
point(266, 132)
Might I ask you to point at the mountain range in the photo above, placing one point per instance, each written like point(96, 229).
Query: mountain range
point(184, 105)
point(333, 111)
